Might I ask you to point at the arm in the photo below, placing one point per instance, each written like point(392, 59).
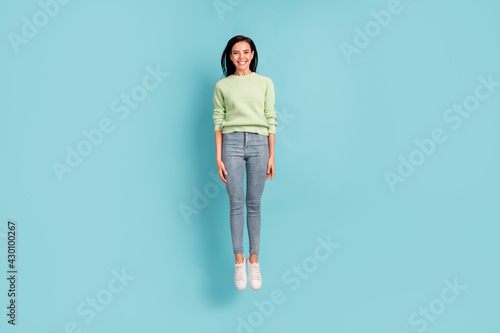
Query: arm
point(218, 145)
point(270, 114)
point(271, 145)
point(270, 162)
point(269, 111)
point(219, 108)
point(219, 116)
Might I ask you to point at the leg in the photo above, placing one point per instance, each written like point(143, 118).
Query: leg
point(232, 156)
point(258, 156)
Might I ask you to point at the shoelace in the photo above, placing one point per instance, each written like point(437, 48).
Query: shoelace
point(255, 271)
point(239, 271)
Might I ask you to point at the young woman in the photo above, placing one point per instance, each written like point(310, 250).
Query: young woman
point(245, 128)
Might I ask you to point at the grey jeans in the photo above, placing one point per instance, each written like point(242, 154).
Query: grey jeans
point(240, 151)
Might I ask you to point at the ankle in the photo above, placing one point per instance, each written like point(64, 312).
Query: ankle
point(239, 259)
point(253, 259)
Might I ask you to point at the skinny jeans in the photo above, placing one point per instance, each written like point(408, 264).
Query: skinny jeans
point(245, 151)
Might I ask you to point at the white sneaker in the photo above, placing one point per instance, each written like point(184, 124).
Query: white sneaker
point(254, 275)
point(240, 275)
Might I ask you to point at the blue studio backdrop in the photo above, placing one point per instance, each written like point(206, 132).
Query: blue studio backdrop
point(383, 214)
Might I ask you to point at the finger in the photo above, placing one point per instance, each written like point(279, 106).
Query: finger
point(222, 177)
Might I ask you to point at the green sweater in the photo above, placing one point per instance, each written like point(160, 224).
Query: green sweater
point(245, 104)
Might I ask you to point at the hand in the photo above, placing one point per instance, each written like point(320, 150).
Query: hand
point(222, 171)
point(270, 168)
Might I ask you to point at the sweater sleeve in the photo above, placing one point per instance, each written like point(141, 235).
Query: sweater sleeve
point(269, 111)
point(219, 108)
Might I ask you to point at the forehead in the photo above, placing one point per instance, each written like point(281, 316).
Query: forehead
point(241, 46)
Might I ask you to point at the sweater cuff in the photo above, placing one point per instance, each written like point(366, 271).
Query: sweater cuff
point(271, 129)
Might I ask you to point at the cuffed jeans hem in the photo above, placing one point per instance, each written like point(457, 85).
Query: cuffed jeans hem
point(241, 251)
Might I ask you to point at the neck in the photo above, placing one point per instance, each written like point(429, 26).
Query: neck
point(243, 72)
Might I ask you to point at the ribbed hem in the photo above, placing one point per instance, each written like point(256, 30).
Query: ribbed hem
point(254, 129)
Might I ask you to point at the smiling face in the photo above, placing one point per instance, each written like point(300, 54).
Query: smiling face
point(241, 56)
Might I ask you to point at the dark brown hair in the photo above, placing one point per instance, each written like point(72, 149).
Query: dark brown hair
point(227, 65)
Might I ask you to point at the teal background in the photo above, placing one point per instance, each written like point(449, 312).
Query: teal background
point(341, 127)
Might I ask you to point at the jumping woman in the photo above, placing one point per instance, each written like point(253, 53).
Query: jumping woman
point(245, 128)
